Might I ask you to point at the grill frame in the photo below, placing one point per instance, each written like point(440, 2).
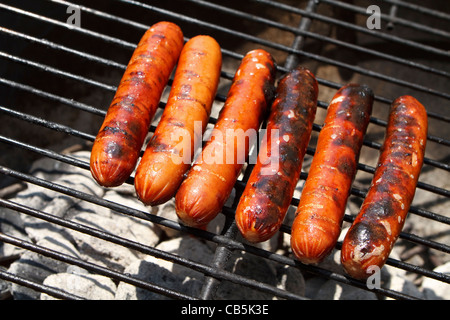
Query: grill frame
point(227, 239)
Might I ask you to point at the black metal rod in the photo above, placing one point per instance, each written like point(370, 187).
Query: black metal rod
point(289, 50)
point(389, 18)
point(299, 41)
point(59, 47)
point(222, 255)
point(56, 71)
point(357, 28)
point(420, 9)
point(302, 32)
point(245, 37)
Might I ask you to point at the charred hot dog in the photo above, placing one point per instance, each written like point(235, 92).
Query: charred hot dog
point(268, 193)
point(373, 233)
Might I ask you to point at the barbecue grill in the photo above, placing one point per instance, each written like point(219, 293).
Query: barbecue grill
point(61, 61)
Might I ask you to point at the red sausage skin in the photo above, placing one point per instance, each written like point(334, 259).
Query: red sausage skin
point(211, 179)
point(119, 141)
point(321, 209)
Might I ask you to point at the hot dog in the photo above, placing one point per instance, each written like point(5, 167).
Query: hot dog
point(320, 212)
point(169, 153)
point(268, 192)
point(377, 226)
point(210, 181)
point(119, 141)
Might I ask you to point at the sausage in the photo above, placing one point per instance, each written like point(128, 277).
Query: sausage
point(119, 141)
point(270, 187)
point(169, 153)
point(210, 181)
point(377, 226)
point(320, 212)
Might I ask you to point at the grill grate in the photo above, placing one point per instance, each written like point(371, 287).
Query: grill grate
point(50, 68)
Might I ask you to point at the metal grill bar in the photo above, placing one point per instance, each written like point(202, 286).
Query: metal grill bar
point(301, 32)
point(420, 9)
point(395, 20)
point(357, 28)
point(244, 37)
point(60, 47)
point(226, 241)
point(290, 50)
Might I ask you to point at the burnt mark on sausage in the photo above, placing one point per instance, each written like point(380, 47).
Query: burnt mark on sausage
point(114, 150)
point(289, 152)
point(353, 112)
point(138, 82)
point(367, 234)
point(114, 131)
point(158, 146)
point(135, 127)
point(357, 105)
point(382, 209)
point(174, 122)
point(404, 121)
point(141, 57)
point(275, 190)
point(138, 74)
point(348, 141)
point(347, 165)
point(266, 216)
point(158, 36)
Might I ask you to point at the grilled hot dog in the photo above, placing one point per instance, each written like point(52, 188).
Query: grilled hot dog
point(119, 141)
point(320, 212)
point(268, 193)
point(373, 233)
point(169, 153)
point(210, 181)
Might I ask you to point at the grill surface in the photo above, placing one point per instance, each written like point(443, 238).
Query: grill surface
point(56, 81)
